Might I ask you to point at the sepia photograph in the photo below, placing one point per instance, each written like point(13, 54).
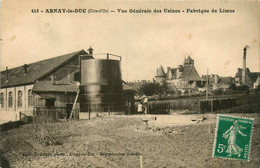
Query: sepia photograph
point(123, 84)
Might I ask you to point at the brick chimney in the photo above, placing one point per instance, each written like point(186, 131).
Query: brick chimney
point(25, 68)
point(216, 78)
point(244, 67)
point(180, 68)
point(90, 51)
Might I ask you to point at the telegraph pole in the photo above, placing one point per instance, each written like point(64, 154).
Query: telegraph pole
point(207, 88)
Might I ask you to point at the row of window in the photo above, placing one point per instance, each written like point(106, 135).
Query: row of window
point(20, 100)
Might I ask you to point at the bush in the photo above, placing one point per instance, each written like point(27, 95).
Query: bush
point(243, 88)
point(239, 89)
point(150, 89)
point(218, 92)
point(44, 131)
point(10, 125)
point(229, 91)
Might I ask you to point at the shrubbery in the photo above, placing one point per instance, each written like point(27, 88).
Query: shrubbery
point(162, 89)
point(218, 92)
point(239, 89)
point(151, 88)
point(44, 130)
point(10, 125)
point(233, 89)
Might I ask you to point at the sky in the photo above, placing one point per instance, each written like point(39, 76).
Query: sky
point(145, 41)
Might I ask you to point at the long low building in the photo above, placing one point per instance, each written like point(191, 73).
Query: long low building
point(48, 83)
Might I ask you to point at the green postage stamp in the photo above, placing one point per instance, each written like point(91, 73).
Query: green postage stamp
point(233, 137)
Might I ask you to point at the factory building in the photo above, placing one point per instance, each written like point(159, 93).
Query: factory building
point(218, 82)
point(55, 85)
point(184, 76)
point(243, 75)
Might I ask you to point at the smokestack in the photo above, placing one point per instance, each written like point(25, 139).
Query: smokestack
point(244, 66)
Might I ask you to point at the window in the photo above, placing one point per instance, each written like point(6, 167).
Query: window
point(30, 98)
point(2, 100)
point(10, 99)
point(20, 102)
point(50, 102)
point(40, 102)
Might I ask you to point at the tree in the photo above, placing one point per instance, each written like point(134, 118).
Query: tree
point(150, 88)
point(164, 87)
point(237, 89)
point(243, 88)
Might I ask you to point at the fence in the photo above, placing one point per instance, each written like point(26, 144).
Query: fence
point(57, 113)
point(158, 108)
point(191, 105)
point(25, 118)
point(164, 106)
point(52, 113)
point(104, 110)
point(213, 105)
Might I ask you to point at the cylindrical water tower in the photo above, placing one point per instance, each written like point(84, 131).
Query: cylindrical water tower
point(101, 89)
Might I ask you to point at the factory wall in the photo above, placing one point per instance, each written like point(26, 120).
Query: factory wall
point(14, 100)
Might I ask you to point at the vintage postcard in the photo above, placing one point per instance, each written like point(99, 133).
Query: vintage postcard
point(139, 83)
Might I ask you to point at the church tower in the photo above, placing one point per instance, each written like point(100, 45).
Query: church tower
point(188, 61)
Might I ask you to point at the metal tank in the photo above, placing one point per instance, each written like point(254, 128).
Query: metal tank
point(101, 87)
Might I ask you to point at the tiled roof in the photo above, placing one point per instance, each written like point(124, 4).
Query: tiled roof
point(226, 80)
point(190, 73)
point(35, 71)
point(253, 75)
point(47, 86)
point(160, 72)
point(128, 87)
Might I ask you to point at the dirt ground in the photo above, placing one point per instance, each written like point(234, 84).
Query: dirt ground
point(122, 141)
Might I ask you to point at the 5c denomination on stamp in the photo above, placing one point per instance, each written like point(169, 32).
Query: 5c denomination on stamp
point(233, 137)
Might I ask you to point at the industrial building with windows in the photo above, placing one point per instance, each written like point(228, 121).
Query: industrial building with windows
point(244, 76)
point(55, 84)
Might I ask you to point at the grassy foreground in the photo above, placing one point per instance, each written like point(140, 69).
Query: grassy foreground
point(118, 141)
